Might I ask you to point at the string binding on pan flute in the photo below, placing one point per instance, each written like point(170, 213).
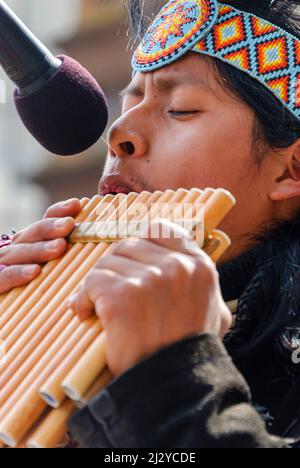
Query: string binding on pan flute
point(53, 363)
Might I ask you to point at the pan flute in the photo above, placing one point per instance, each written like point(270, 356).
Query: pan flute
point(54, 364)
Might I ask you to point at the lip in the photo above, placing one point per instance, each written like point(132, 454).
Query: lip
point(114, 185)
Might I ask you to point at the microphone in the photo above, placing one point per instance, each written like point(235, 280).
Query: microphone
point(58, 100)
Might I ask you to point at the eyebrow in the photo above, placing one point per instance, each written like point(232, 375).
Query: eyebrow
point(165, 85)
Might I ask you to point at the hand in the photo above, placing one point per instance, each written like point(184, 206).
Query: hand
point(151, 293)
point(36, 245)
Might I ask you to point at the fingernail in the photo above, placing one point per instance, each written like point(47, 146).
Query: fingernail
point(52, 245)
point(28, 270)
point(66, 203)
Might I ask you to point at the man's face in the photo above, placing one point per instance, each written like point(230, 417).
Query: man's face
point(180, 128)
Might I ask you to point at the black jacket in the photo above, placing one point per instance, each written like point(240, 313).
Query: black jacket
point(196, 393)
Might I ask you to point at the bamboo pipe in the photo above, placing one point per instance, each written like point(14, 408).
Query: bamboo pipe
point(217, 207)
point(49, 285)
point(47, 317)
point(19, 295)
point(7, 299)
point(50, 432)
point(20, 357)
point(52, 391)
point(100, 383)
point(53, 428)
point(79, 380)
point(23, 443)
point(98, 232)
point(54, 354)
point(18, 308)
point(86, 371)
point(22, 372)
point(93, 361)
point(23, 409)
point(8, 435)
point(10, 383)
point(224, 244)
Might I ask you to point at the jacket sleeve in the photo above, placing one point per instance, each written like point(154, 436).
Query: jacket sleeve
point(189, 395)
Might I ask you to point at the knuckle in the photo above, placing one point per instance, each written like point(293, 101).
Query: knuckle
point(4, 251)
point(10, 275)
point(108, 312)
point(206, 270)
point(40, 227)
point(174, 266)
point(7, 275)
point(105, 262)
point(151, 278)
point(126, 245)
point(37, 252)
point(94, 278)
point(88, 281)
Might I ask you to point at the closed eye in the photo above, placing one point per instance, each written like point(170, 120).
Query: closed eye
point(179, 113)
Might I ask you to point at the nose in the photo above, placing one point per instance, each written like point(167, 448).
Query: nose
point(124, 142)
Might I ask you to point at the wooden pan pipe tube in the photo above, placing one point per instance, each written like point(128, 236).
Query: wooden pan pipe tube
point(19, 295)
point(52, 390)
point(22, 407)
point(42, 313)
point(93, 361)
point(51, 431)
point(18, 358)
point(50, 284)
point(16, 310)
point(20, 352)
point(11, 438)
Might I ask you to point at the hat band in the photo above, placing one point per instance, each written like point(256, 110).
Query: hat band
point(253, 45)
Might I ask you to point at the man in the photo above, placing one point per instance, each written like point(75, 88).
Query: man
point(190, 120)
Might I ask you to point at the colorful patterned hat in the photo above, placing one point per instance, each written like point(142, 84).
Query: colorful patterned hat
point(264, 51)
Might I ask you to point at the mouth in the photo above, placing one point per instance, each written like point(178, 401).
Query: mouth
point(114, 185)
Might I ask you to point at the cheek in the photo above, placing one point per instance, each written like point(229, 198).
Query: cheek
point(207, 153)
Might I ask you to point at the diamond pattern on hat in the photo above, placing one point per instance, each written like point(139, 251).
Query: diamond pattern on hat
point(254, 45)
point(228, 33)
point(272, 55)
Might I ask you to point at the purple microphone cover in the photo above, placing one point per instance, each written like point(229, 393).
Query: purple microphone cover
point(69, 113)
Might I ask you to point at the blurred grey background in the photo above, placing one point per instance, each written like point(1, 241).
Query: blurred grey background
point(95, 33)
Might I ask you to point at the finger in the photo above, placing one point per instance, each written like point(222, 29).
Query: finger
point(171, 236)
point(82, 305)
point(126, 267)
point(63, 209)
point(97, 289)
point(17, 275)
point(150, 253)
point(38, 253)
point(47, 229)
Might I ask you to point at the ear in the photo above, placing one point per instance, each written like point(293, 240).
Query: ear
point(287, 186)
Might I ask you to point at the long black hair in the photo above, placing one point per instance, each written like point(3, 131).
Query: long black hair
point(280, 259)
